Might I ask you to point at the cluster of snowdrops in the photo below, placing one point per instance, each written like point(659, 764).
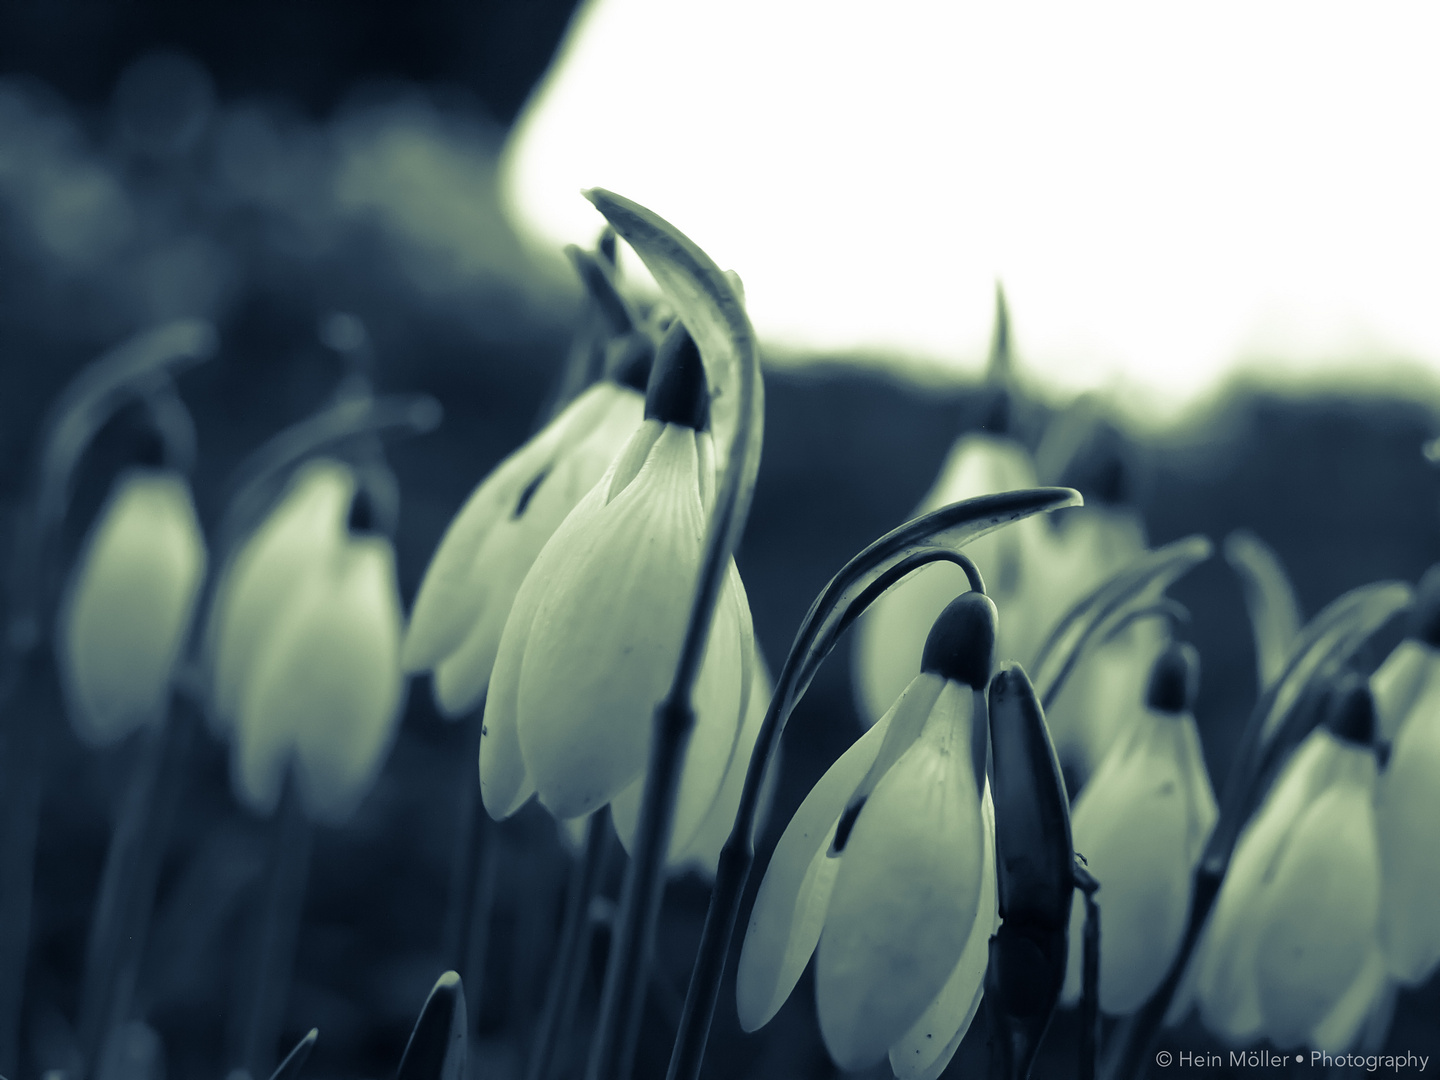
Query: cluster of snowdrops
point(585, 599)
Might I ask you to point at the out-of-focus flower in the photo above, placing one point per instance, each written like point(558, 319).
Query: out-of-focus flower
point(1141, 823)
point(1291, 951)
point(306, 648)
point(476, 572)
point(594, 635)
point(887, 872)
point(1407, 796)
point(129, 605)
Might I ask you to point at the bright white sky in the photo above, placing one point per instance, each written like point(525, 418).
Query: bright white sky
point(1164, 189)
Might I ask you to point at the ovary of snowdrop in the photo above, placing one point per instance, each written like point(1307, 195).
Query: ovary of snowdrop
point(467, 592)
point(887, 872)
point(1141, 823)
point(1407, 796)
point(305, 649)
point(1291, 951)
point(593, 638)
point(128, 608)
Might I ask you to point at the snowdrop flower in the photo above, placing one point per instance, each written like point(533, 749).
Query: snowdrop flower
point(1141, 824)
point(476, 572)
point(1291, 951)
point(1407, 797)
point(128, 608)
point(891, 634)
point(887, 872)
point(593, 638)
point(306, 649)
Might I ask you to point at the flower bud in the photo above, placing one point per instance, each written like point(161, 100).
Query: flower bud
point(128, 608)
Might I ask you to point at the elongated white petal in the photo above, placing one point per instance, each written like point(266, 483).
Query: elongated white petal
point(790, 907)
point(1409, 676)
point(1225, 981)
point(606, 636)
point(326, 687)
point(923, 1052)
point(1319, 912)
point(263, 578)
point(719, 690)
point(129, 606)
point(1407, 811)
point(1337, 1032)
point(907, 892)
point(463, 605)
point(1140, 827)
point(348, 664)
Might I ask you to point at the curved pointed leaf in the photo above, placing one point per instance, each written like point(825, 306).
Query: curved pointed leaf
point(1269, 599)
point(437, 1046)
point(1137, 586)
point(289, 1069)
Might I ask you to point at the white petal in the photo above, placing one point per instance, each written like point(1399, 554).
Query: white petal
point(1318, 916)
point(907, 892)
point(714, 741)
point(1410, 674)
point(923, 1052)
point(606, 636)
point(1135, 825)
point(472, 583)
point(1407, 812)
point(790, 906)
point(129, 606)
point(303, 530)
point(349, 664)
point(1338, 1031)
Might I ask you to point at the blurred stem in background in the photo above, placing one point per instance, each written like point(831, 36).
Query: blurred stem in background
point(261, 1008)
point(139, 369)
point(121, 922)
point(572, 955)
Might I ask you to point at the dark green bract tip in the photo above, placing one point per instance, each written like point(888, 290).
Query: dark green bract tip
point(1174, 680)
point(1350, 710)
point(628, 360)
point(362, 513)
point(677, 392)
point(961, 645)
point(1425, 615)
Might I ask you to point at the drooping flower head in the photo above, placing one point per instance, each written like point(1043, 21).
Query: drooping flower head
point(1141, 823)
point(593, 637)
point(887, 872)
point(127, 611)
point(305, 648)
point(1291, 950)
point(476, 571)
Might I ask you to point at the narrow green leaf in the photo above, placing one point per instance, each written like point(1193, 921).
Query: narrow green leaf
point(1139, 585)
point(1270, 600)
point(437, 1046)
point(294, 1062)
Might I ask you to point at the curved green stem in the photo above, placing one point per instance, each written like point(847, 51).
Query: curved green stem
point(930, 538)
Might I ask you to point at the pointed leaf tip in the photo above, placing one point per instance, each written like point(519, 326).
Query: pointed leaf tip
point(289, 1069)
point(437, 1047)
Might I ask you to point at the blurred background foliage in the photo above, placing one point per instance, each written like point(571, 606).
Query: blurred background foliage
point(267, 164)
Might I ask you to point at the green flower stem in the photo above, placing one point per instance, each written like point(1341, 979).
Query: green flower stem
point(1281, 719)
point(262, 1009)
point(930, 538)
point(473, 873)
point(1090, 980)
point(573, 953)
point(714, 314)
point(121, 920)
